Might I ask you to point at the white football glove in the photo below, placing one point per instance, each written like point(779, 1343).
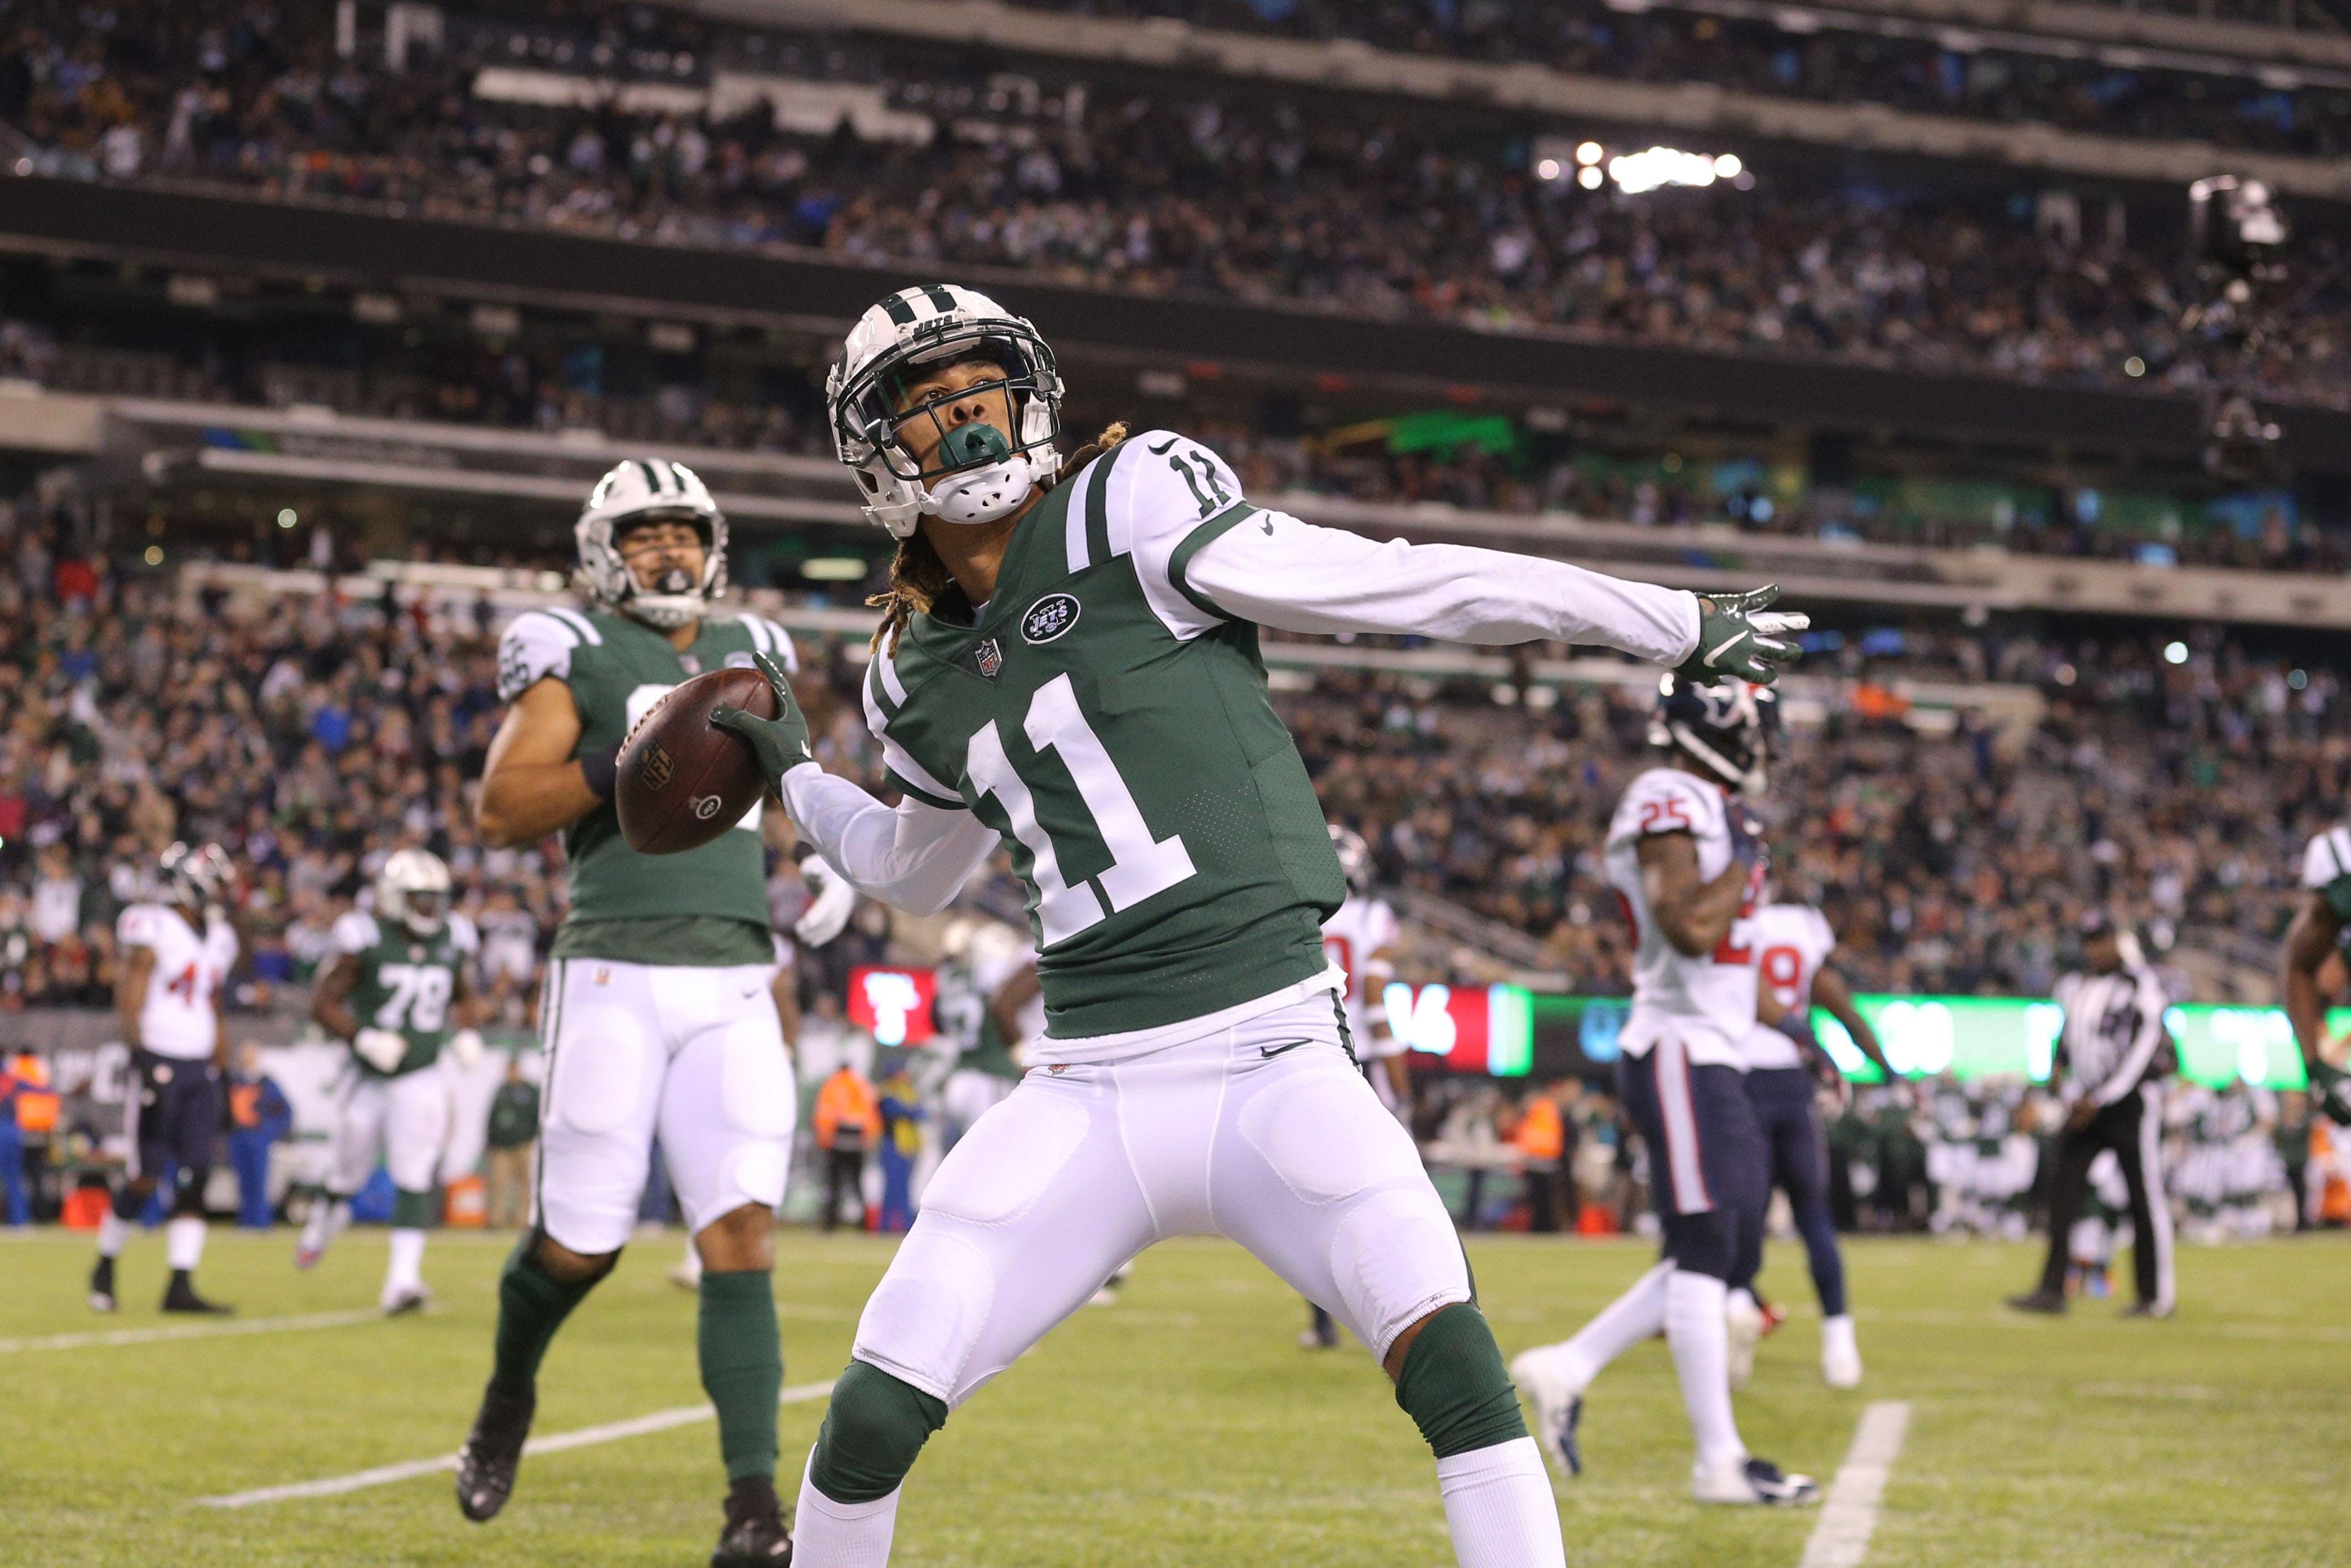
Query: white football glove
point(827, 913)
point(381, 1048)
point(466, 1048)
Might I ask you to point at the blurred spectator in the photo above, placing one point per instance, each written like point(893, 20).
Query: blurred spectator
point(901, 1143)
point(513, 1134)
point(16, 1204)
point(259, 1116)
point(847, 1124)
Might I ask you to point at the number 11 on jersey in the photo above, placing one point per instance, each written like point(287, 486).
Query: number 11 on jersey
point(1140, 865)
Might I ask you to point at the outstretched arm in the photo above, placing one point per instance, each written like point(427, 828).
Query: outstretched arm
point(1273, 570)
point(1832, 995)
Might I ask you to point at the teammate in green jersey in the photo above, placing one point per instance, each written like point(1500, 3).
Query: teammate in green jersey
point(400, 991)
point(656, 1016)
point(1069, 665)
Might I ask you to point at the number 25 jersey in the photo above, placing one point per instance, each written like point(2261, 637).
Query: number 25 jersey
point(1112, 725)
point(1707, 1002)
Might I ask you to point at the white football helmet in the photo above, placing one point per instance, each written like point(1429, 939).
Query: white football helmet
point(641, 490)
point(938, 324)
point(413, 889)
point(1355, 859)
point(193, 878)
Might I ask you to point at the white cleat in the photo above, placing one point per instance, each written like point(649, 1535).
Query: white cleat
point(1744, 1320)
point(1753, 1483)
point(1840, 1356)
point(1558, 1400)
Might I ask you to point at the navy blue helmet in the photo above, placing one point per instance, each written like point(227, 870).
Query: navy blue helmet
point(1726, 729)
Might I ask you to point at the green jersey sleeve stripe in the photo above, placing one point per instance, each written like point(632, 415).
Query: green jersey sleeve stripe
point(1098, 504)
point(897, 780)
point(1207, 533)
point(875, 693)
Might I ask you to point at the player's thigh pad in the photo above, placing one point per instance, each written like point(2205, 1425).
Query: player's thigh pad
point(1314, 1176)
point(415, 1128)
point(1024, 1219)
point(729, 1102)
point(605, 1065)
point(358, 1131)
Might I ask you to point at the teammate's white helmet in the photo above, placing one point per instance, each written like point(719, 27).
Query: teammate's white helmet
point(930, 326)
point(642, 490)
point(193, 878)
point(413, 889)
point(1355, 859)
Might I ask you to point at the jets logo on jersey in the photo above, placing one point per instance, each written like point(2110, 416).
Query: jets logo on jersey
point(1049, 618)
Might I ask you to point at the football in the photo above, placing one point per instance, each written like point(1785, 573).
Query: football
point(681, 780)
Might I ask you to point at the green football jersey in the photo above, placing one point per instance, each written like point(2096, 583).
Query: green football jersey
point(701, 906)
point(1114, 727)
point(407, 983)
point(960, 1012)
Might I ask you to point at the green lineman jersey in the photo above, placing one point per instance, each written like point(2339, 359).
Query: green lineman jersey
point(703, 906)
point(960, 1011)
point(1113, 726)
point(407, 983)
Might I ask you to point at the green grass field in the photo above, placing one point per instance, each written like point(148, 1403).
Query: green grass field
point(1182, 1425)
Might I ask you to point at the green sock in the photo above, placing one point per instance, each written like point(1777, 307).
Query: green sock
point(742, 1366)
point(532, 1304)
point(412, 1210)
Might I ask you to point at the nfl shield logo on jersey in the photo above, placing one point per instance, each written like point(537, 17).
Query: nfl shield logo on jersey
point(1049, 618)
point(987, 658)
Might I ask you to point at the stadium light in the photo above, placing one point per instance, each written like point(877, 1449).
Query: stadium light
point(2175, 652)
point(1635, 173)
point(1548, 169)
point(2134, 367)
point(1588, 154)
point(286, 518)
point(1591, 178)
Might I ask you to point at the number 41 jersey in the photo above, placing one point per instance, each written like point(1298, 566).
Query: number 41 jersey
point(406, 983)
point(1112, 724)
point(1707, 1002)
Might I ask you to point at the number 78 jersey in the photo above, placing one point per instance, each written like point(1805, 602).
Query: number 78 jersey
point(1707, 1002)
point(1112, 725)
point(407, 983)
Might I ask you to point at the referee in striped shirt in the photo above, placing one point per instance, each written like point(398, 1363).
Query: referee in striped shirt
point(2112, 1052)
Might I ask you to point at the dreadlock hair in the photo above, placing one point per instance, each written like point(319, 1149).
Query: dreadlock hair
point(918, 575)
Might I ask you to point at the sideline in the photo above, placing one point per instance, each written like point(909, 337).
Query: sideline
point(582, 1437)
point(100, 1337)
point(1840, 1540)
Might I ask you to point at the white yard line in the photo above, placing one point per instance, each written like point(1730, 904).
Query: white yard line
point(1840, 1540)
point(101, 1337)
point(584, 1436)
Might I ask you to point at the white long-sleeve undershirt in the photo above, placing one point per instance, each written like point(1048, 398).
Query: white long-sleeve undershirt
point(916, 857)
point(1278, 571)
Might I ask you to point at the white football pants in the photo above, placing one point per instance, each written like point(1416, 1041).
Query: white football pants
point(403, 1122)
point(693, 1055)
point(1262, 1132)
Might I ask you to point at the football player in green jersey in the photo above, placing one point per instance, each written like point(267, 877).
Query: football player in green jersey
point(1069, 666)
point(656, 1014)
point(400, 991)
point(2321, 928)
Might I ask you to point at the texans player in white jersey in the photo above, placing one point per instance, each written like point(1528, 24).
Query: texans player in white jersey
point(1683, 853)
point(1791, 944)
point(1361, 939)
point(177, 951)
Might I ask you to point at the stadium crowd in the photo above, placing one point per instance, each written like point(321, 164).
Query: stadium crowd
point(1923, 74)
point(1195, 190)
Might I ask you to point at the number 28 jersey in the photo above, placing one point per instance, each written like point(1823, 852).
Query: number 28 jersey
point(407, 983)
point(1707, 1002)
point(177, 1018)
point(1112, 725)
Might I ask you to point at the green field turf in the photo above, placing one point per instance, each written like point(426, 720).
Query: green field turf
point(1182, 1425)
